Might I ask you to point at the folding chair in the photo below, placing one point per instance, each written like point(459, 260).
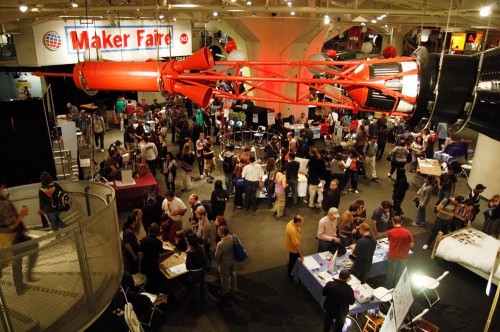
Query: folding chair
point(466, 168)
point(426, 282)
point(258, 135)
point(140, 281)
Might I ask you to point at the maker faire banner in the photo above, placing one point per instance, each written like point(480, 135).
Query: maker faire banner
point(57, 42)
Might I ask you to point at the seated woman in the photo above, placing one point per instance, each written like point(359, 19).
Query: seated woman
point(112, 167)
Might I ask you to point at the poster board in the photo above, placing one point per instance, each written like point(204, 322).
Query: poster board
point(270, 119)
point(402, 297)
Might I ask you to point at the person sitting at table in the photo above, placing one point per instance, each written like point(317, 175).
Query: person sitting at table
point(302, 119)
point(112, 167)
point(120, 151)
point(363, 253)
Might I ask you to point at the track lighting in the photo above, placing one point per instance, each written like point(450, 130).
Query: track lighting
point(73, 3)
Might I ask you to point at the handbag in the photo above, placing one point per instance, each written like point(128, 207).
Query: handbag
point(239, 251)
point(187, 167)
point(416, 200)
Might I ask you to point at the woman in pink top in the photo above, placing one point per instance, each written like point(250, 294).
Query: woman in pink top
point(279, 190)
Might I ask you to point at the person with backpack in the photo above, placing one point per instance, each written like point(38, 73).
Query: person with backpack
point(218, 199)
point(228, 166)
point(444, 216)
point(370, 151)
point(151, 207)
point(204, 232)
point(398, 157)
point(48, 195)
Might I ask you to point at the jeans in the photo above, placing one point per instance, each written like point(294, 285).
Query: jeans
point(55, 220)
point(354, 178)
point(420, 219)
point(17, 265)
point(442, 195)
point(152, 166)
point(293, 184)
point(439, 225)
point(229, 178)
point(201, 164)
point(170, 184)
point(250, 190)
point(395, 268)
point(292, 258)
point(395, 165)
point(198, 287)
point(99, 137)
point(329, 317)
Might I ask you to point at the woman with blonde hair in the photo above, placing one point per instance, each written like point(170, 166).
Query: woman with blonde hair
point(188, 160)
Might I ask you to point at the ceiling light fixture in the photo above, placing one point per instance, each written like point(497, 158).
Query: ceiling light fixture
point(292, 13)
point(161, 16)
point(215, 14)
point(22, 6)
point(249, 3)
point(485, 11)
point(326, 20)
point(289, 3)
point(73, 3)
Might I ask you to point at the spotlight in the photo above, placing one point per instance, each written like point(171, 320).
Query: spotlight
point(73, 3)
point(215, 14)
point(327, 20)
point(292, 13)
point(22, 6)
point(161, 16)
point(485, 11)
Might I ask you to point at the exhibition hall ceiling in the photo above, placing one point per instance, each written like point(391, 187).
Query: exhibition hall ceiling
point(376, 14)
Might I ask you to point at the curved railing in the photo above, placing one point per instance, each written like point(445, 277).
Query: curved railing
point(78, 269)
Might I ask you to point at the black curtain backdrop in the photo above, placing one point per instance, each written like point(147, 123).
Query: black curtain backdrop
point(24, 142)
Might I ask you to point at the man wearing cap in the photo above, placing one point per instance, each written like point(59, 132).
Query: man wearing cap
point(474, 197)
point(400, 242)
point(339, 295)
point(292, 243)
point(327, 232)
point(363, 253)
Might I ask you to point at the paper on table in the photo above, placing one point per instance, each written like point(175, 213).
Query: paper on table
point(325, 254)
point(178, 269)
point(310, 263)
point(324, 277)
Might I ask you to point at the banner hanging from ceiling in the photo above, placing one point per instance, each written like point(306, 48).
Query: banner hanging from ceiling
point(59, 42)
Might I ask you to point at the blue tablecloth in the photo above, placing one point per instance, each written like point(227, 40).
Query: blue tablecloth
point(315, 286)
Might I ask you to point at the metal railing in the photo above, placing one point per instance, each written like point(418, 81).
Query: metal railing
point(78, 268)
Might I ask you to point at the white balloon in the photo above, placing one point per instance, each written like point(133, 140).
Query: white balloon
point(211, 28)
point(316, 57)
point(92, 54)
point(367, 47)
point(237, 55)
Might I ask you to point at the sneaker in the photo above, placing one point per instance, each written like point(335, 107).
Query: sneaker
point(305, 201)
point(356, 192)
point(375, 179)
point(202, 176)
point(343, 192)
point(389, 174)
point(231, 196)
point(318, 205)
point(425, 247)
point(417, 224)
point(350, 189)
point(97, 148)
point(102, 150)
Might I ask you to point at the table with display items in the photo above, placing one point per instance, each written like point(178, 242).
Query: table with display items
point(175, 265)
point(129, 197)
point(429, 167)
point(298, 127)
point(312, 273)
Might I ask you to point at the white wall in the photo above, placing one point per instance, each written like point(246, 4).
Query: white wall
point(9, 90)
point(484, 166)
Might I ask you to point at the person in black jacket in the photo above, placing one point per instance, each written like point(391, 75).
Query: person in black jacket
point(363, 253)
point(316, 171)
point(331, 196)
point(219, 198)
point(292, 176)
point(339, 295)
point(195, 264)
point(400, 188)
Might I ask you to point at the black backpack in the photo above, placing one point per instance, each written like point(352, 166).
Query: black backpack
point(207, 204)
point(61, 199)
point(227, 164)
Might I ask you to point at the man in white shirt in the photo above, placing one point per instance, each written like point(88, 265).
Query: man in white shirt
point(327, 231)
point(150, 153)
point(174, 207)
point(252, 173)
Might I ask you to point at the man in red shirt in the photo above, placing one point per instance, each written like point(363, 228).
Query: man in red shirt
point(400, 242)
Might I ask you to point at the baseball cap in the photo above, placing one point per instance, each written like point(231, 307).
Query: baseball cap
point(364, 227)
point(345, 275)
point(333, 211)
point(480, 187)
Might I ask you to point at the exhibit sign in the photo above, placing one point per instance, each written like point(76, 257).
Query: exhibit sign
point(59, 42)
